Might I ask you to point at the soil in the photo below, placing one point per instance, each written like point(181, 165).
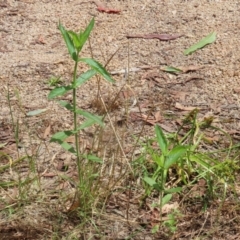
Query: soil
point(32, 51)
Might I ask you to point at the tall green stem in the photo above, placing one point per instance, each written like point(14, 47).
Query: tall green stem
point(75, 119)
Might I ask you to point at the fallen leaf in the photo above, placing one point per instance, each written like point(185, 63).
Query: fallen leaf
point(158, 116)
point(190, 68)
point(47, 132)
point(182, 107)
point(161, 37)
point(202, 43)
point(108, 10)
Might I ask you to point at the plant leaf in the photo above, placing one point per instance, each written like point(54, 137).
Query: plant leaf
point(68, 41)
point(173, 190)
point(88, 115)
point(61, 136)
point(166, 199)
point(84, 77)
point(81, 112)
point(174, 155)
point(162, 141)
point(203, 42)
point(75, 39)
point(83, 36)
point(68, 147)
point(97, 67)
point(59, 91)
point(87, 123)
point(152, 183)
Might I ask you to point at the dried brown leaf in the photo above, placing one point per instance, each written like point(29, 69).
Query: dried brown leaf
point(161, 37)
point(184, 108)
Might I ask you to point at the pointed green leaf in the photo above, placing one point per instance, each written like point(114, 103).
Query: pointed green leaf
point(87, 123)
point(162, 141)
point(68, 147)
point(83, 36)
point(69, 42)
point(88, 115)
point(166, 199)
point(61, 136)
point(84, 77)
point(81, 112)
point(59, 91)
point(67, 105)
point(203, 42)
point(98, 67)
point(174, 155)
point(152, 183)
point(75, 39)
point(173, 190)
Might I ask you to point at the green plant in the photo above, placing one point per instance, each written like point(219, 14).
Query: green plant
point(75, 42)
point(164, 160)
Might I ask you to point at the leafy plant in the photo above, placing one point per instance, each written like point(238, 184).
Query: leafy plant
point(75, 41)
point(164, 160)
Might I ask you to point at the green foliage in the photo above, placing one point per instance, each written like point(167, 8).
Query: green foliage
point(75, 42)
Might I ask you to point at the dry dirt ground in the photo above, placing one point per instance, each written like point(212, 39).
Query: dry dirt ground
point(32, 50)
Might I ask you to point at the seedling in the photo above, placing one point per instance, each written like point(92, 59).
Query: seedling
point(164, 161)
point(75, 41)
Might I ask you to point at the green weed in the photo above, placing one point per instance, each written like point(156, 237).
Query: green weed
point(75, 41)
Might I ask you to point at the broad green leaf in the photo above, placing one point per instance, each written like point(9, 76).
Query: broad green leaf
point(162, 141)
point(203, 42)
point(61, 136)
point(166, 199)
point(69, 42)
point(174, 155)
point(97, 67)
point(87, 123)
point(88, 115)
point(171, 69)
point(173, 190)
point(75, 39)
point(59, 91)
point(83, 36)
point(36, 112)
point(84, 77)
